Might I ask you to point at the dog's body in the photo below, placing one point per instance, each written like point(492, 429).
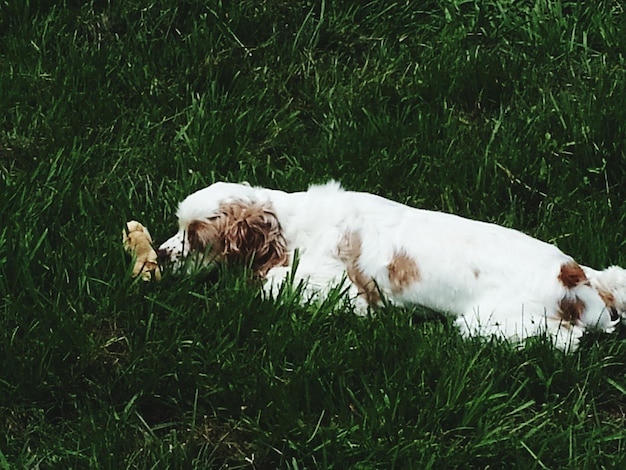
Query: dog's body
point(495, 280)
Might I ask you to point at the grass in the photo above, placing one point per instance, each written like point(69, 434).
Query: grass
point(511, 112)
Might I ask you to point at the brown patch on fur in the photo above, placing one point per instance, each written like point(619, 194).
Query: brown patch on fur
point(242, 233)
point(607, 297)
point(349, 251)
point(476, 272)
point(571, 309)
point(609, 300)
point(572, 275)
point(203, 234)
point(402, 271)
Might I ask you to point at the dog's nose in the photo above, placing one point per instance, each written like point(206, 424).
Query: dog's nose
point(163, 254)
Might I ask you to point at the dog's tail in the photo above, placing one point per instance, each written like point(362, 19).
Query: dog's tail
point(582, 305)
point(610, 284)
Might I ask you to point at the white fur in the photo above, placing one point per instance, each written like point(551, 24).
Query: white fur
point(494, 280)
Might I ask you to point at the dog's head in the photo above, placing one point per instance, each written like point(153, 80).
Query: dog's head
point(226, 223)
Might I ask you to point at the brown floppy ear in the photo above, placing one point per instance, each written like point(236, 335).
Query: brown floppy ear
point(253, 234)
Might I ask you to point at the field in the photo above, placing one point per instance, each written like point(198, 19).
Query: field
point(510, 112)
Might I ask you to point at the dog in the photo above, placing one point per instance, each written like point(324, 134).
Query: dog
point(493, 280)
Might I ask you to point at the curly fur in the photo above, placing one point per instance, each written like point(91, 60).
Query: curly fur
point(241, 232)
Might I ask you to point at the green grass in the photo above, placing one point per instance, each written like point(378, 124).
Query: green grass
point(511, 112)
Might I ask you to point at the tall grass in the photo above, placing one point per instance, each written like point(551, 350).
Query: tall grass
point(511, 112)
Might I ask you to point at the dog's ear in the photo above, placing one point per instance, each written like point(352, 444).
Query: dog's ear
point(252, 234)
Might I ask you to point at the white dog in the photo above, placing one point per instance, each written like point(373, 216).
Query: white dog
point(494, 280)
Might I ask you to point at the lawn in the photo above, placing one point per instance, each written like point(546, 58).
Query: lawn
point(510, 112)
